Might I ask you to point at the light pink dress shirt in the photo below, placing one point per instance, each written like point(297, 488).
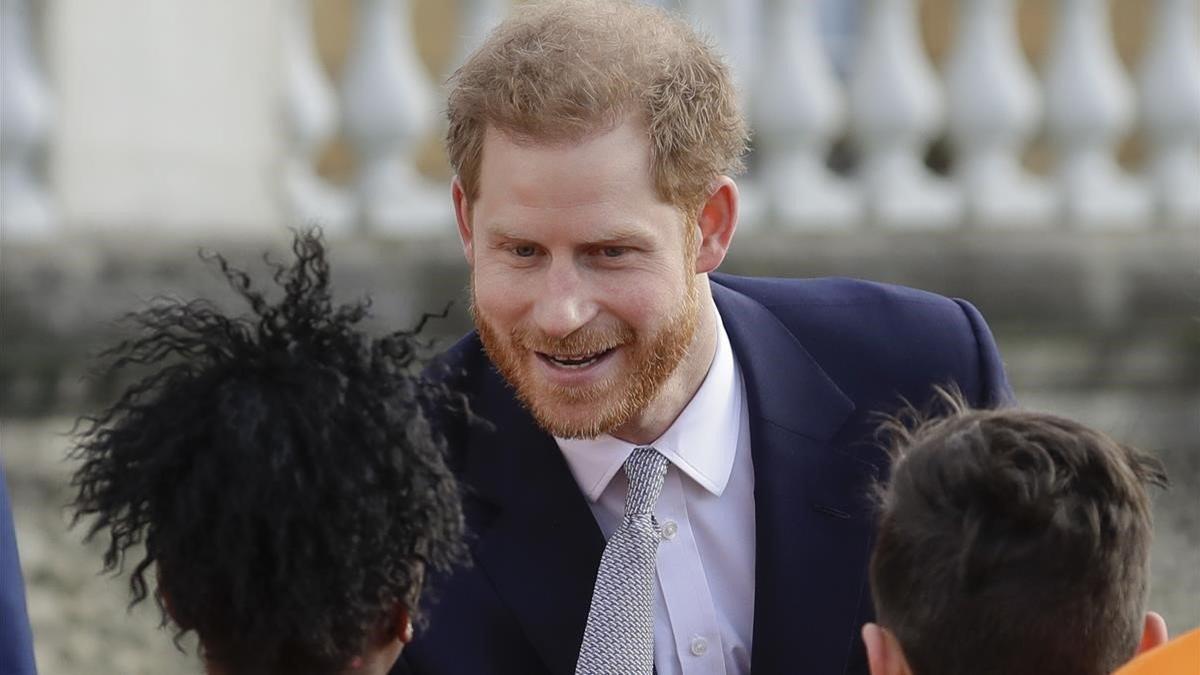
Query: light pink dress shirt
point(704, 606)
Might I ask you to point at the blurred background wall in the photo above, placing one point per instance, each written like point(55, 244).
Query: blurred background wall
point(1040, 158)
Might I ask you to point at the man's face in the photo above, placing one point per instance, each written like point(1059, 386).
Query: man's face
point(585, 292)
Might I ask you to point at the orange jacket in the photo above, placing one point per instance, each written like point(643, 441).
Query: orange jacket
point(1180, 656)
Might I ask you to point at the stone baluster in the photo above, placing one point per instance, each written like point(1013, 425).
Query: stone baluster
point(1089, 108)
point(388, 111)
point(26, 211)
point(476, 18)
point(993, 111)
point(736, 26)
point(736, 29)
point(895, 110)
point(1169, 80)
point(837, 24)
point(799, 112)
point(310, 118)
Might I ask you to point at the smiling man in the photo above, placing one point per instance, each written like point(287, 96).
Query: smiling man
point(588, 297)
point(675, 477)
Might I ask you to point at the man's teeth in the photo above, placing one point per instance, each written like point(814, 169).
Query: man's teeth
point(575, 361)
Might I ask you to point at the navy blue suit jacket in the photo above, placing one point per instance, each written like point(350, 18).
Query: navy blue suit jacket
point(820, 358)
point(16, 642)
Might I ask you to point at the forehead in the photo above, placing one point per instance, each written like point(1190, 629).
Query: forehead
point(609, 165)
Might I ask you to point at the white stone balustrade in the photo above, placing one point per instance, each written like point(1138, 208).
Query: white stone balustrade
point(1170, 102)
point(736, 26)
point(994, 109)
point(170, 121)
point(799, 111)
point(25, 116)
point(1089, 109)
point(114, 153)
point(310, 119)
point(389, 110)
point(475, 19)
point(896, 109)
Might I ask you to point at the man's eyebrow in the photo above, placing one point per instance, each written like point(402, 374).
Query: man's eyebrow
point(501, 232)
point(620, 235)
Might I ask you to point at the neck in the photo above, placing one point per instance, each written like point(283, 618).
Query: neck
point(376, 663)
point(678, 390)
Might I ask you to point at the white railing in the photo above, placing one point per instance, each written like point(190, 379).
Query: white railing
point(891, 103)
point(25, 118)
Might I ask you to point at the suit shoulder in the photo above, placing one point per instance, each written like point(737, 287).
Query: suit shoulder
point(827, 291)
point(460, 363)
point(865, 333)
point(452, 413)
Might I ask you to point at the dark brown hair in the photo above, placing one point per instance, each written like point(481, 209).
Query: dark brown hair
point(1012, 541)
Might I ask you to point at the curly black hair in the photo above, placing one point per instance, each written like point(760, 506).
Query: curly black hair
point(279, 468)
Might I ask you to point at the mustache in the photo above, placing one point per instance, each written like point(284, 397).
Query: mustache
point(582, 341)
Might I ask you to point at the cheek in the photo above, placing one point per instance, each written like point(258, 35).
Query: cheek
point(498, 296)
point(642, 299)
point(645, 302)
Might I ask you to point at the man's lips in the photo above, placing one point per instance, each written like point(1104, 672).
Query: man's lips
point(574, 361)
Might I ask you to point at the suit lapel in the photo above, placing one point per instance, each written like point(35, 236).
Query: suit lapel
point(542, 547)
point(812, 535)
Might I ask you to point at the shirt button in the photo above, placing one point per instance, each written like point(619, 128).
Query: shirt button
point(699, 646)
point(669, 530)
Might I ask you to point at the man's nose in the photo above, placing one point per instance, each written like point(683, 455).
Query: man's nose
point(565, 303)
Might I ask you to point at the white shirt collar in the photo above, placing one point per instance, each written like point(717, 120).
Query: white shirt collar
point(701, 442)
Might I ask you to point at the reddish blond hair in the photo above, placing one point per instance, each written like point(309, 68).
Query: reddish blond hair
point(558, 72)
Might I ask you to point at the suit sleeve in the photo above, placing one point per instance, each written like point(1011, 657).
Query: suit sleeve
point(994, 390)
point(16, 639)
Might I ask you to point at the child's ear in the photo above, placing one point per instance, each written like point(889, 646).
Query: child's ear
point(1154, 632)
point(404, 626)
point(163, 598)
point(884, 656)
point(388, 641)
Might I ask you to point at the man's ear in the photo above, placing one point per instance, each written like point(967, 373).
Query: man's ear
point(1154, 632)
point(884, 656)
point(462, 214)
point(717, 222)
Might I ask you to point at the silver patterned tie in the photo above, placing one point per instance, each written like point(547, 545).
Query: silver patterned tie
point(619, 637)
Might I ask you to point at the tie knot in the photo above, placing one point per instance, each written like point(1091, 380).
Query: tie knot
point(646, 469)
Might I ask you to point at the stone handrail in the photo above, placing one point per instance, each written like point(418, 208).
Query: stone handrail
point(887, 99)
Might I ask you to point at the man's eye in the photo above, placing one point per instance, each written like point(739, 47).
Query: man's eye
point(524, 251)
point(613, 251)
